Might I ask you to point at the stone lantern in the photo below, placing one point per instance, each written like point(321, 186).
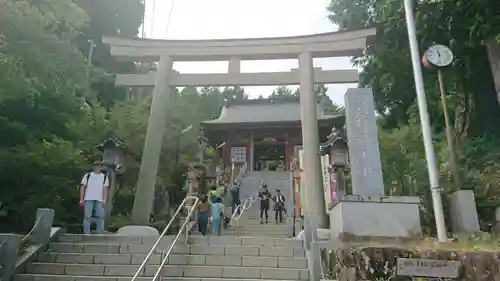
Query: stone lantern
point(337, 149)
point(202, 144)
point(113, 154)
point(219, 173)
point(192, 176)
point(113, 151)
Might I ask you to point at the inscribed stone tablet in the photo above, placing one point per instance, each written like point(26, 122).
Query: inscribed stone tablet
point(364, 155)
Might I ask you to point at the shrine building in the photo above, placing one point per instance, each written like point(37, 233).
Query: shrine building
point(264, 133)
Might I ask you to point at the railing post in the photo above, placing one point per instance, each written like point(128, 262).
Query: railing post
point(43, 225)
point(9, 249)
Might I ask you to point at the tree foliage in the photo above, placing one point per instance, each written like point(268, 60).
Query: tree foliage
point(320, 90)
point(465, 26)
point(42, 76)
point(49, 133)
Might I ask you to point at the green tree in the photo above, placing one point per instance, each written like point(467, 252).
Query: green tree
point(42, 76)
point(463, 25)
point(282, 91)
point(321, 92)
point(472, 102)
point(109, 18)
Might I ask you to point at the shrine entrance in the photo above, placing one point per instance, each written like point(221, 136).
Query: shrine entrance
point(300, 48)
point(269, 157)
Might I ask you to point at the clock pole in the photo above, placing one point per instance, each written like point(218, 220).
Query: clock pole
point(430, 155)
point(449, 134)
point(443, 59)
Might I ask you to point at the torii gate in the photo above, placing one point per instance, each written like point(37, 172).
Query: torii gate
point(303, 48)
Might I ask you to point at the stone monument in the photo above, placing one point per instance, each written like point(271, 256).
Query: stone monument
point(368, 212)
point(463, 212)
point(366, 170)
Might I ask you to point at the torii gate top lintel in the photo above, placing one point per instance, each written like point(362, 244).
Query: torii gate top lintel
point(332, 44)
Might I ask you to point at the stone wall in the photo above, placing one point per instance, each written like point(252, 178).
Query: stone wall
point(379, 262)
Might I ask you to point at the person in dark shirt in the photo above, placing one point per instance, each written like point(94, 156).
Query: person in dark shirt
point(279, 207)
point(264, 196)
point(203, 214)
point(235, 197)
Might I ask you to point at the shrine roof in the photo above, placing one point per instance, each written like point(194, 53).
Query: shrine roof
point(273, 110)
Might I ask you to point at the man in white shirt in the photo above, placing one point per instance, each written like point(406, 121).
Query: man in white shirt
point(93, 197)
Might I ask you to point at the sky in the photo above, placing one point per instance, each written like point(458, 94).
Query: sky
point(224, 19)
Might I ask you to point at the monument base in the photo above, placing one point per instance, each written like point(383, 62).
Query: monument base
point(138, 230)
point(463, 212)
point(385, 217)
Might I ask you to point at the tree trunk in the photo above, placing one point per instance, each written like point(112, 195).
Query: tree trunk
point(484, 119)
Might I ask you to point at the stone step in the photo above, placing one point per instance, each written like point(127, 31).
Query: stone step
point(258, 228)
point(252, 232)
point(179, 249)
point(166, 241)
point(271, 224)
point(136, 259)
point(44, 277)
point(169, 270)
point(263, 231)
point(264, 228)
point(111, 238)
point(245, 241)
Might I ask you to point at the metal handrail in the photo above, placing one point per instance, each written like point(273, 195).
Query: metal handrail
point(166, 252)
point(235, 216)
point(241, 208)
point(153, 249)
point(240, 176)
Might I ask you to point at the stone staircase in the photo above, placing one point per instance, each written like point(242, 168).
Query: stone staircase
point(257, 252)
point(251, 227)
point(221, 258)
point(250, 222)
point(274, 180)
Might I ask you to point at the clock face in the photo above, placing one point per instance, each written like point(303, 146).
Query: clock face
point(439, 55)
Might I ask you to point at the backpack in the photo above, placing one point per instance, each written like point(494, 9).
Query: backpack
point(88, 177)
point(235, 191)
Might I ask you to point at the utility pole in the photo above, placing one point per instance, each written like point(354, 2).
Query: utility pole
point(430, 155)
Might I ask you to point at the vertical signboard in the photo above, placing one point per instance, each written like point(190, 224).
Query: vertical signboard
point(334, 190)
point(325, 165)
point(239, 154)
point(303, 175)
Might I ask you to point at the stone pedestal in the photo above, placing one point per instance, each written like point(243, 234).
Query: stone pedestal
point(384, 217)
point(43, 225)
point(463, 212)
point(9, 248)
point(138, 230)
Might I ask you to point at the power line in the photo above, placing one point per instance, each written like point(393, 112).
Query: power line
point(153, 17)
point(143, 28)
point(169, 17)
